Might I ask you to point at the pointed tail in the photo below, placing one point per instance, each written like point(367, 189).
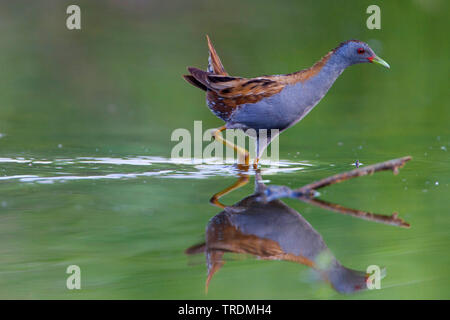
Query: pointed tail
point(214, 67)
point(214, 64)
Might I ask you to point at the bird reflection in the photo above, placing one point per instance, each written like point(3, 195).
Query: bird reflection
point(264, 226)
point(271, 230)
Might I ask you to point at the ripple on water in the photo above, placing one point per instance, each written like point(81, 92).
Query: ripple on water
point(47, 171)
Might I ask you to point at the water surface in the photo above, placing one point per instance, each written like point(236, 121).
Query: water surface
point(86, 176)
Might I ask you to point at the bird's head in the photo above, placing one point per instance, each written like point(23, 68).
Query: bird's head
point(355, 51)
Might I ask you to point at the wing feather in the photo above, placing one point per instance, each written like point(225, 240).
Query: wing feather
point(236, 87)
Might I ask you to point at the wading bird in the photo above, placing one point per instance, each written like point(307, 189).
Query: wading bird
point(272, 102)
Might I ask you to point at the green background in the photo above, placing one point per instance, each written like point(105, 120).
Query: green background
point(113, 91)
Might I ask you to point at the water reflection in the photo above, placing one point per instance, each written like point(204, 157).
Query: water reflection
point(263, 226)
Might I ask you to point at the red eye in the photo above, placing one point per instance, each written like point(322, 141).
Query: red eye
point(360, 50)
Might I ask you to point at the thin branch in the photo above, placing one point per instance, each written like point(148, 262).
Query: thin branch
point(393, 165)
point(307, 193)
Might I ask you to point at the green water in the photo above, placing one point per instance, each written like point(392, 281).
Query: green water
point(86, 117)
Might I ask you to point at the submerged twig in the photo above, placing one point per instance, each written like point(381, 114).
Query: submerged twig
point(393, 165)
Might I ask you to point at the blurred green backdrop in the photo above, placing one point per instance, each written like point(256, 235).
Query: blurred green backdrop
point(113, 90)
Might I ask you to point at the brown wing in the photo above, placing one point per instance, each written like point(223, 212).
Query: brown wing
point(225, 93)
point(244, 88)
point(237, 90)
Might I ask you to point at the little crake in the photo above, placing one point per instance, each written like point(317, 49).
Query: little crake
point(277, 101)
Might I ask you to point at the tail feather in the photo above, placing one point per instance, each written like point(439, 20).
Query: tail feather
point(214, 64)
point(199, 78)
point(195, 249)
point(189, 78)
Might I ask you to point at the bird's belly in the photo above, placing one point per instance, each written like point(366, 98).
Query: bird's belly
point(266, 117)
point(279, 111)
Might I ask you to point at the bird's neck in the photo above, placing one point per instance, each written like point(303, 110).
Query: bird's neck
point(315, 82)
point(330, 68)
